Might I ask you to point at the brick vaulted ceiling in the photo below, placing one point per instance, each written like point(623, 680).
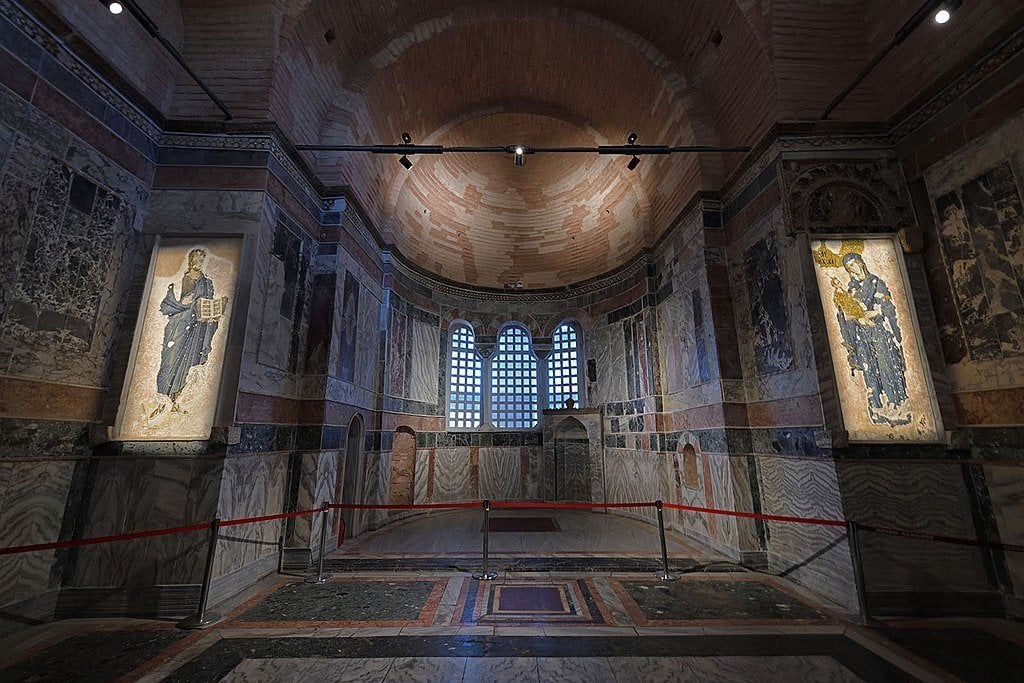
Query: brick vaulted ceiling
point(565, 72)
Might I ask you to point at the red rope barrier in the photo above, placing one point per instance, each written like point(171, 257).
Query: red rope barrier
point(505, 505)
point(103, 539)
point(267, 518)
point(942, 539)
point(421, 506)
point(757, 515)
point(528, 504)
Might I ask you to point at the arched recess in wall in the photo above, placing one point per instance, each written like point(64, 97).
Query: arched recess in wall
point(572, 461)
point(403, 463)
point(353, 465)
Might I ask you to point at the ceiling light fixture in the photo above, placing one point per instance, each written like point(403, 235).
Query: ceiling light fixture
point(115, 7)
point(404, 159)
point(635, 161)
point(945, 12)
point(519, 152)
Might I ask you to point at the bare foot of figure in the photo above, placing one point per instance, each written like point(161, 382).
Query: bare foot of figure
point(159, 409)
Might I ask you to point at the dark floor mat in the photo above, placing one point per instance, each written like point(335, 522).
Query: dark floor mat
point(715, 599)
point(521, 524)
point(99, 656)
point(342, 601)
point(971, 654)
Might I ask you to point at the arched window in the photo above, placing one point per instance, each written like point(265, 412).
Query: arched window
point(564, 366)
point(513, 375)
point(465, 380)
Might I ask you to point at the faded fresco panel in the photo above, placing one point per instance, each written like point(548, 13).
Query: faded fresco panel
point(349, 323)
point(981, 229)
point(321, 322)
point(282, 306)
point(772, 349)
point(881, 375)
point(179, 353)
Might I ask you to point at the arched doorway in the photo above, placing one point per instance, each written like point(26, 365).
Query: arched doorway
point(353, 465)
point(572, 461)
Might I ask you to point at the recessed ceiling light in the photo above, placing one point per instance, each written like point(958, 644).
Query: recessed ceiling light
point(115, 8)
point(942, 16)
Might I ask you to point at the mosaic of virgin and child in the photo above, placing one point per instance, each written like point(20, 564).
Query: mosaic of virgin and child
point(193, 317)
point(871, 334)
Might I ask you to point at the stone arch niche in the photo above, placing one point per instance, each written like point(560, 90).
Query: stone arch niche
point(573, 456)
point(351, 476)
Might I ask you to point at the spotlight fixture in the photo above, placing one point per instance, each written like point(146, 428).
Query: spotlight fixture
point(404, 161)
point(519, 152)
point(406, 138)
point(945, 11)
point(115, 7)
point(635, 161)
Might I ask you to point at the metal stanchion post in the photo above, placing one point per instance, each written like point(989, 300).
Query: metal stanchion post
point(664, 574)
point(202, 619)
point(853, 539)
point(483, 574)
point(280, 551)
point(320, 577)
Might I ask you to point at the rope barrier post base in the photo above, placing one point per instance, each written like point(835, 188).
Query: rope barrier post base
point(320, 577)
point(483, 574)
point(203, 619)
point(863, 616)
point(664, 574)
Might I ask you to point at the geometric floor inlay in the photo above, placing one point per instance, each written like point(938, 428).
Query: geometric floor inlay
point(657, 603)
point(346, 602)
point(568, 601)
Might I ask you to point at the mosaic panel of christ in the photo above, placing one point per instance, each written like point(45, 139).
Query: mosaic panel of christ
point(881, 375)
point(175, 376)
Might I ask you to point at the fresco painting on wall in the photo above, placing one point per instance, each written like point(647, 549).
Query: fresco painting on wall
point(981, 230)
point(772, 349)
point(179, 351)
point(884, 389)
point(349, 318)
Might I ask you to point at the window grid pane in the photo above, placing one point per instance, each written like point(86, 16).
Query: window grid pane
point(514, 375)
point(465, 381)
point(563, 367)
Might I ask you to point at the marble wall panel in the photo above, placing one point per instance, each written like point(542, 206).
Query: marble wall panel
point(817, 557)
point(67, 256)
point(252, 485)
point(321, 323)
point(930, 497)
point(397, 343)
point(1006, 490)
point(34, 496)
point(424, 350)
point(500, 474)
point(349, 330)
point(451, 475)
point(375, 488)
point(368, 342)
point(632, 476)
point(281, 283)
point(421, 476)
point(403, 460)
point(769, 319)
point(606, 346)
point(976, 198)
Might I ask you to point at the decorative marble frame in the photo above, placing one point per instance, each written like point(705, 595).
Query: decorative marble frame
point(592, 421)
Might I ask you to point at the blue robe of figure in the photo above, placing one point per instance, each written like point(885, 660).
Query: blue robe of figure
point(187, 341)
point(874, 348)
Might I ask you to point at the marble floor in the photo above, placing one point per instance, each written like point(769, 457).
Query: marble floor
point(716, 622)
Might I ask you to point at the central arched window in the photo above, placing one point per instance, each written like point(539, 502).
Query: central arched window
point(507, 390)
point(514, 381)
